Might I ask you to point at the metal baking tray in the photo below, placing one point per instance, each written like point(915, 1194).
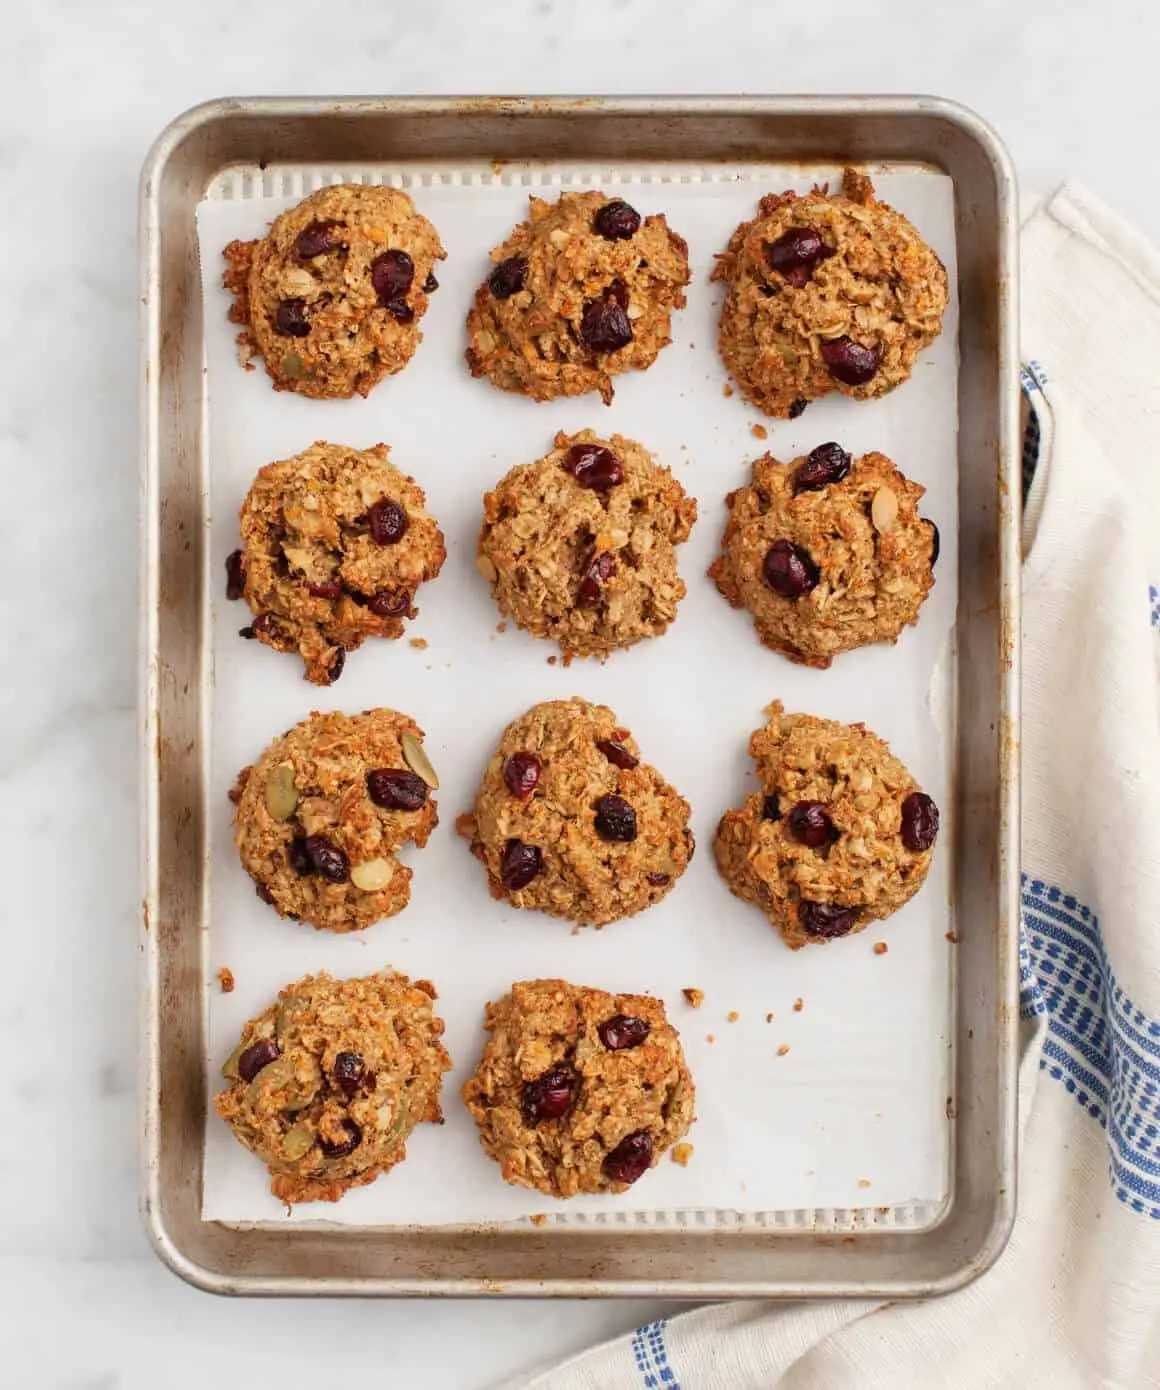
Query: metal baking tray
point(840, 1255)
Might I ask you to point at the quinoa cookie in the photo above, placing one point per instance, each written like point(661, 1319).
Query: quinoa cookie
point(327, 1084)
point(569, 821)
point(827, 552)
point(323, 813)
point(838, 836)
point(335, 543)
point(826, 294)
point(578, 1090)
point(582, 291)
point(580, 546)
point(332, 295)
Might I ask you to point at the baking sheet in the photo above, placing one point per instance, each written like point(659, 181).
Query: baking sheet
point(853, 1115)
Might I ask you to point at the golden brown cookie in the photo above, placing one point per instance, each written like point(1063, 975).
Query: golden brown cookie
point(578, 1090)
point(332, 295)
point(826, 293)
point(839, 835)
point(324, 811)
point(582, 291)
point(580, 546)
point(568, 819)
point(827, 552)
point(335, 543)
point(327, 1084)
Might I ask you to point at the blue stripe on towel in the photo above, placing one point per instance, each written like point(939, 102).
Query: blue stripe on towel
point(1100, 1047)
point(652, 1357)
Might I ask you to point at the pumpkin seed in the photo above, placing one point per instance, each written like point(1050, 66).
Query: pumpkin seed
point(298, 1140)
point(884, 510)
point(372, 875)
point(418, 761)
point(281, 793)
point(486, 568)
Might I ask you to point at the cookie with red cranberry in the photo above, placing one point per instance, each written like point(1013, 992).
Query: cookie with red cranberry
point(580, 292)
point(840, 834)
point(580, 546)
point(332, 295)
point(327, 1084)
point(826, 293)
point(827, 552)
point(569, 821)
point(335, 543)
point(323, 813)
point(578, 1090)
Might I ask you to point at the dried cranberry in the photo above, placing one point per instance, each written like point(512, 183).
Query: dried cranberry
point(330, 861)
point(391, 276)
point(235, 575)
point(770, 810)
point(828, 463)
point(826, 921)
point(623, 1031)
point(349, 1071)
point(631, 1157)
point(391, 603)
point(521, 772)
point(550, 1095)
point(615, 820)
point(430, 285)
point(796, 253)
point(935, 545)
point(508, 277)
point(317, 239)
point(337, 665)
point(340, 1148)
point(592, 583)
point(658, 880)
point(604, 324)
point(290, 319)
point(400, 311)
point(810, 825)
point(387, 520)
point(396, 789)
point(264, 893)
point(616, 753)
point(797, 407)
point(519, 864)
point(298, 857)
point(616, 221)
point(594, 466)
point(919, 822)
point(850, 362)
point(329, 588)
point(788, 570)
point(257, 1056)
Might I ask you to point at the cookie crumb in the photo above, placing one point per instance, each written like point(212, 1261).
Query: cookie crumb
point(880, 948)
point(538, 1219)
point(953, 937)
point(552, 660)
point(758, 431)
point(419, 643)
point(226, 979)
point(728, 390)
point(951, 1111)
point(694, 997)
point(863, 1182)
point(732, 1015)
point(710, 1037)
point(501, 627)
point(783, 1049)
point(682, 1153)
point(769, 1018)
point(798, 1005)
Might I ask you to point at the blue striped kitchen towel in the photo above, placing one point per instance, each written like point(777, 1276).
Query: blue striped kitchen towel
point(1074, 1300)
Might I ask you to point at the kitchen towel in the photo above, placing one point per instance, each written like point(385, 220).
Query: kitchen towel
point(1074, 1300)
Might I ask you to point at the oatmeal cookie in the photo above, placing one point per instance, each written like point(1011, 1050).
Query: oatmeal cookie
point(826, 294)
point(335, 542)
point(579, 547)
point(578, 1090)
point(582, 291)
point(327, 1084)
point(827, 552)
point(568, 819)
point(332, 295)
point(324, 811)
point(839, 835)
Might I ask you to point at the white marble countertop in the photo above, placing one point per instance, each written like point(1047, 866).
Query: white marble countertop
point(86, 86)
